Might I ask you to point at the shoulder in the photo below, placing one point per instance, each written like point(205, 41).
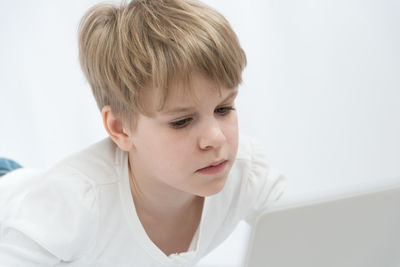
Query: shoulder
point(252, 164)
point(98, 162)
point(256, 182)
point(56, 209)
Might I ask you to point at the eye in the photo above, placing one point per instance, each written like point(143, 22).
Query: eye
point(224, 110)
point(180, 123)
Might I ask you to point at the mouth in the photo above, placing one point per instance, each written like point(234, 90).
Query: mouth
point(214, 168)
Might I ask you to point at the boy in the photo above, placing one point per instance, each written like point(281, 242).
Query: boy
point(170, 183)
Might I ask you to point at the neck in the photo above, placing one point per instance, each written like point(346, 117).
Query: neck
point(169, 216)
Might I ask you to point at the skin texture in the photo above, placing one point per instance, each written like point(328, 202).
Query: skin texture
point(167, 150)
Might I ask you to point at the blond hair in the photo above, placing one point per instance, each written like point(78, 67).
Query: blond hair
point(125, 49)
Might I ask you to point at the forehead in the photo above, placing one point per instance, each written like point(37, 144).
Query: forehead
point(199, 89)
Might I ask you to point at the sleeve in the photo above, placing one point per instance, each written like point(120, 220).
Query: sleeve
point(264, 185)
point(54, 221)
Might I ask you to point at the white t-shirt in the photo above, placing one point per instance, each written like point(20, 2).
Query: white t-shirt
point(81, 211)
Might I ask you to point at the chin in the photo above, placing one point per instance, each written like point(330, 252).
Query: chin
point(214, 188)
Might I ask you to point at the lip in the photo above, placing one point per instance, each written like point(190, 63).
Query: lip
point(214, 168)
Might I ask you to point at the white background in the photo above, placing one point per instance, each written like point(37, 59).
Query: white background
point(321, 90)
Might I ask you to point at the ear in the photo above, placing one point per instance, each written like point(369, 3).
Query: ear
point(116, 130)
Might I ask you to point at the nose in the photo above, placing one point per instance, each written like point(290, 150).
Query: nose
point(211, 136)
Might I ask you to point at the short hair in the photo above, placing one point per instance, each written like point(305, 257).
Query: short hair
point(127, 48)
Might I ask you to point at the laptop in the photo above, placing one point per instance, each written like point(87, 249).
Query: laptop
point(355, 229)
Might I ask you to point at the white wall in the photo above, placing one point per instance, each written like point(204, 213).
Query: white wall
point(47, 107)
point(322, 87)
point(321, 90)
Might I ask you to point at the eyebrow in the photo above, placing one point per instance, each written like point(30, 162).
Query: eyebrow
point(186, 109)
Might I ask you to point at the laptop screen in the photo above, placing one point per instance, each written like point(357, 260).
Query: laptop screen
point(357, 230)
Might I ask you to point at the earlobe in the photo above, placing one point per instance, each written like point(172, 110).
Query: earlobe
point(115, 129)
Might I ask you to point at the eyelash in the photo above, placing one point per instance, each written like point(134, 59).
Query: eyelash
point(179, 124)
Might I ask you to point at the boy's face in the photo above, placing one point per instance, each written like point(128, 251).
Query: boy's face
point(173, 147)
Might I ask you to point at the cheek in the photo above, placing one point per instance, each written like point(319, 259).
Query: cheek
point(172, 151)
point(232, 131)
point(164, 152)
